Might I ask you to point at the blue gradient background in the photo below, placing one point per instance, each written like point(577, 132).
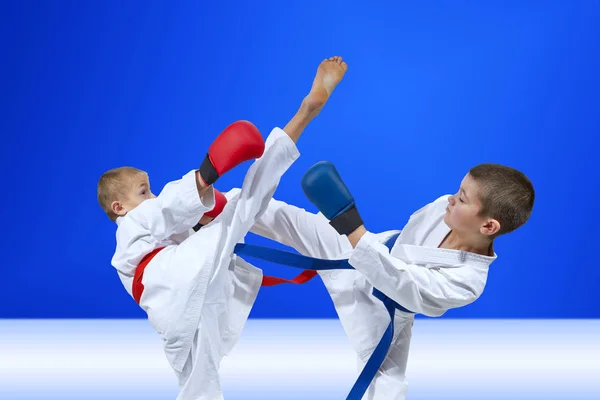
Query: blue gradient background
point(432, 89)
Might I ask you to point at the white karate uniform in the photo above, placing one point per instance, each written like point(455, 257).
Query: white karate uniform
point(197, 293)
point(416, 274)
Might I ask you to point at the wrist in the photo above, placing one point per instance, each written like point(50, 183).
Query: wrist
point(348, 221)
point(200, 184)
point(356, 235)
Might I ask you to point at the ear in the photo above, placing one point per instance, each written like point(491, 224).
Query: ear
point(117, 208)
point(490, 227)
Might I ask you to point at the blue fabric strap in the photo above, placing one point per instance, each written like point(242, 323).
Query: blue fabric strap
point(378, 356)
point(289, 259)
point(304, 262)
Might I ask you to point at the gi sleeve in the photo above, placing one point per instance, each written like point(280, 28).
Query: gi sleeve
point(427, 291)
point(175, 210)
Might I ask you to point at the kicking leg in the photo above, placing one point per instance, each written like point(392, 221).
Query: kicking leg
point(264, 175)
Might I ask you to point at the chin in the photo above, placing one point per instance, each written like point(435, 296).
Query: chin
point(446, 219)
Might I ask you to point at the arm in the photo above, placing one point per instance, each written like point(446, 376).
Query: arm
point(177, 208)
point(428, 291)
point(182, 203)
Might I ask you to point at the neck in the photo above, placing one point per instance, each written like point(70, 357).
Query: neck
point(455, 241)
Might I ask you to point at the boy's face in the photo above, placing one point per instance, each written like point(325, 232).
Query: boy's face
point(137, 190)
point(462, 213)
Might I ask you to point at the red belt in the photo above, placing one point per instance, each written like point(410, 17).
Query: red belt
point(138, 288)
point(304, 277)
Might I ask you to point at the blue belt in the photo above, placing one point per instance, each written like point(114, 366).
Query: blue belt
point(299, 261)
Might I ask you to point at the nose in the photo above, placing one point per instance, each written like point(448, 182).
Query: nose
point(451, 200)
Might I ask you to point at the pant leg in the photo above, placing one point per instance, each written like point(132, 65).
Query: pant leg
point(199, 379)
point(196, 271)
point(390, 382)
point(204, 258)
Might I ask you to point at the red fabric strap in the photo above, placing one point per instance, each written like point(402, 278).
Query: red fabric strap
point(137, 288)
point(304, 277)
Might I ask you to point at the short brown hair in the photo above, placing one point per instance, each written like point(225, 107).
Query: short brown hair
point(111, 187)
point(506, 194)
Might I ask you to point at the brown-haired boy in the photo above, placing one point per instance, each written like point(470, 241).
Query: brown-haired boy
point(439, 261)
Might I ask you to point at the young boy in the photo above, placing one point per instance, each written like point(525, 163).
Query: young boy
point(196, 293)
point(439, 261)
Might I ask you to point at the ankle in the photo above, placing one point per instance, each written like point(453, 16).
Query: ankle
point(310, 107)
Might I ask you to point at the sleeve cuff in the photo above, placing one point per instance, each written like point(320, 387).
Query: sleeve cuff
point(208, 199)
point(279, 135)
point(189, 195)
point(360, 252)
point(366, 241)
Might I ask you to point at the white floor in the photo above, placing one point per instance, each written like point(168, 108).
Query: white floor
point(304, 359)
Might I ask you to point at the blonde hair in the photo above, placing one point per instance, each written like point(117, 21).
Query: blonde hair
point(111, 187)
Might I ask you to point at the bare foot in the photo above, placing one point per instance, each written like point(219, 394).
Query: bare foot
point(329, 74)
